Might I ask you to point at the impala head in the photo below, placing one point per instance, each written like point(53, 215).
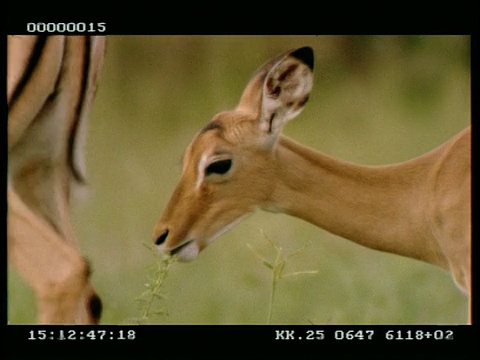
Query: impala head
point(227, 165)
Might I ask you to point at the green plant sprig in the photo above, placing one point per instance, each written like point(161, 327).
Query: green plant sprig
point(154, 296)
point(277, 267)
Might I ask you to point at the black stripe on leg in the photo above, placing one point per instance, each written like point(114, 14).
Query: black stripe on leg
point(30, 69)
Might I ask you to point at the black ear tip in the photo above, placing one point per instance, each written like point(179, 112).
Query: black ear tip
point(305, 54)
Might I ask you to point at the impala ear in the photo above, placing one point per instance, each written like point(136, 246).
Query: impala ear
point(285, 90)
point(279, 90)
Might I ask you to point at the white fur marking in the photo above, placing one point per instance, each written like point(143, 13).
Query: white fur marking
point(201, 171)
point(188, 252)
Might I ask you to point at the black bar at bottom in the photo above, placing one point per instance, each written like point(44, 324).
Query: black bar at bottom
point(226, 341)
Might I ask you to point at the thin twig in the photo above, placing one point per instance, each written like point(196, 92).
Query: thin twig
point(277, 269)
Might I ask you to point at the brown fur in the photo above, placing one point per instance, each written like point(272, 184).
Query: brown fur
point(419, 208)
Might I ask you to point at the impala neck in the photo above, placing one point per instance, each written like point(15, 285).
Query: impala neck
point(378, 207)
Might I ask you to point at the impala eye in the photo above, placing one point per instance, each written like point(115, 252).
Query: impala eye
point(218, 167)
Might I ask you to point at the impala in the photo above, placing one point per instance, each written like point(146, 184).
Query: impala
point(240, 162)
point(51, 83)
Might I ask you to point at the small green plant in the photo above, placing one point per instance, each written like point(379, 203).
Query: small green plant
point(277, 267)
point(151, 300)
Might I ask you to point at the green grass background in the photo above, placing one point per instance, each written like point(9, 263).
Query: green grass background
point(376, 100)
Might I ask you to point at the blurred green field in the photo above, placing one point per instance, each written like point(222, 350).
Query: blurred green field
point(376, 100)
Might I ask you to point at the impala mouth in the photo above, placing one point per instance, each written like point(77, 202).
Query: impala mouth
point(179, 248)
point(186, 252)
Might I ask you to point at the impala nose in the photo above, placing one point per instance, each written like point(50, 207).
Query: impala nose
point(161, 239)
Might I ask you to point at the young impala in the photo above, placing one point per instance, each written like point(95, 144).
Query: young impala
point(241, 162)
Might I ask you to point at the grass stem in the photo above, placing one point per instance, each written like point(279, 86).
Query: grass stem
point(277, 268)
